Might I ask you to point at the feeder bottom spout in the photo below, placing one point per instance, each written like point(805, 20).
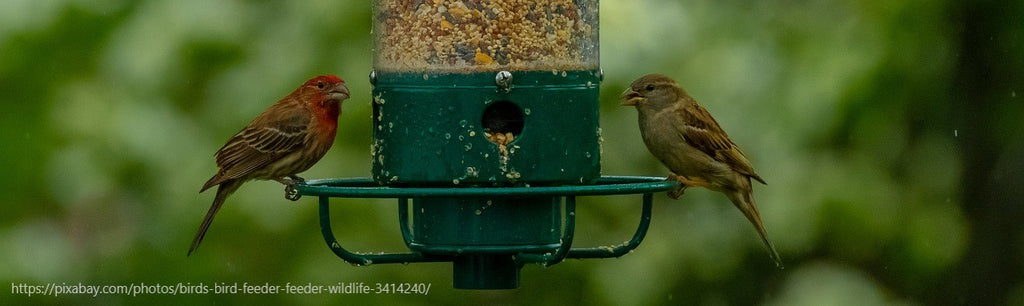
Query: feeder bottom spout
point(499, 271)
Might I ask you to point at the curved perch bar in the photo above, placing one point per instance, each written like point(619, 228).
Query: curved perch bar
point(359, 259)
point(621, 249)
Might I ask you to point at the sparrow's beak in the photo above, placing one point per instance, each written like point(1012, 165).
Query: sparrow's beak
point(632, 97)
point(339, 92)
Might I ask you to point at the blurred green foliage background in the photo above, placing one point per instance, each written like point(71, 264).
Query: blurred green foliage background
point(890, 134)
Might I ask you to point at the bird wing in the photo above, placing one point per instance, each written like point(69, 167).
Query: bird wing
point(262, 142)
point(701, 131)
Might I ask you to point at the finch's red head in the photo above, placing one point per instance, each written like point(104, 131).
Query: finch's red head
point(330, 87)
point(323, 95)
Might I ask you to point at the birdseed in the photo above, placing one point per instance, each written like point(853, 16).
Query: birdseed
point(485, 35)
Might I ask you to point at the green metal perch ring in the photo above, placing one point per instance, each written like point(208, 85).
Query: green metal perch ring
point(325, 189)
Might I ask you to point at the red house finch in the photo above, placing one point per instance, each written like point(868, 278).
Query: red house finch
point(287, 138)
point(684, 137)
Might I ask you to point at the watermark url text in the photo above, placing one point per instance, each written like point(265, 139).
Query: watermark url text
point(246, 288)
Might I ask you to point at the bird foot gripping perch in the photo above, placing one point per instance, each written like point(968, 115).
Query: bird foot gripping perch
point(292, 193)
point(678, 192)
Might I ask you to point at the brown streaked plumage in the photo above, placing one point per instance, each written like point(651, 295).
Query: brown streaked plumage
point(286, 139)
point(687, 140)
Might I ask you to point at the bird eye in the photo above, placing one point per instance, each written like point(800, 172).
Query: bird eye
point(650, 87)
point(320, 85)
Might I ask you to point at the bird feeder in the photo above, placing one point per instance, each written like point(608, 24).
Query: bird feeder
point(485, 129)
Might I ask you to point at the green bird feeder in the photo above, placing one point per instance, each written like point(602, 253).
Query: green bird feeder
point(485, 129)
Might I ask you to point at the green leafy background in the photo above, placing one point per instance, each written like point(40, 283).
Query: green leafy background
point(890, 134)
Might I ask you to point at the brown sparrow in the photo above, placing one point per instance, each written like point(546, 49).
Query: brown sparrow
point(686, 139)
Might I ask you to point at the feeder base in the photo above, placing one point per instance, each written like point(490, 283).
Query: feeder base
point(485, 272)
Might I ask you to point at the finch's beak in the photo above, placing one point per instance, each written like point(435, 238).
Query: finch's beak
point(339, 92)
point(632, 97)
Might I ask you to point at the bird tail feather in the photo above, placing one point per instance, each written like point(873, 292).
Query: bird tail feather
point(223, 191)
point(744, 200)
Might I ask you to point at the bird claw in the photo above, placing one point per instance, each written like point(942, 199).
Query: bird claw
point(291, 193)
point(675, 194)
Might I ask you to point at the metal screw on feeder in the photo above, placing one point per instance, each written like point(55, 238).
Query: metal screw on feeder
point(504, 81)
point(470, 135)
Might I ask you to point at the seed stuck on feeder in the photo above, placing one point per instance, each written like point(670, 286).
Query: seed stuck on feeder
point(502, 140)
